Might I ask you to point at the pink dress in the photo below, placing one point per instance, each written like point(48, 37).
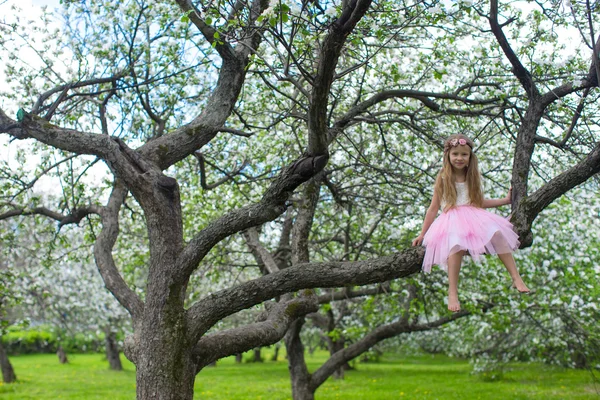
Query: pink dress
point(468, 228)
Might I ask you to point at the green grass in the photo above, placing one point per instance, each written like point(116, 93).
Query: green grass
point(395, 377)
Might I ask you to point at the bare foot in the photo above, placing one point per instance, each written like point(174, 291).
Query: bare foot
point(521, 287)
point(453, 303)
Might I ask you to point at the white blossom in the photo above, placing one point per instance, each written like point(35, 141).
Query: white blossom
point(331, 12)
point(435, 10)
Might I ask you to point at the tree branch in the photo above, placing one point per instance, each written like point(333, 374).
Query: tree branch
point(328, 59)
point(63, 219)
point(383, 332)
point(225, 50)
point(530, 207)
point(519, 70)
point(222, 344)
point(424, 97)
point(105, 262)
point(206, 312)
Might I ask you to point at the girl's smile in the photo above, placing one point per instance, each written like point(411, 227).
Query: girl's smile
point(459, 156)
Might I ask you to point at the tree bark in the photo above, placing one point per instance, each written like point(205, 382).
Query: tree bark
point(257, 356)
point(112, 350)
point(164, 364)
point(297, 365)
point(8, 373)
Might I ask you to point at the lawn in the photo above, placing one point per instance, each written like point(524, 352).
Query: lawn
point(395, 377)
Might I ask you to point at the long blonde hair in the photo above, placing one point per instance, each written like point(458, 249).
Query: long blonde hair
point(445, 181)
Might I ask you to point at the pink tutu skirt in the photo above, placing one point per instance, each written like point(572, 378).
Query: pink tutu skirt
point(468, 228)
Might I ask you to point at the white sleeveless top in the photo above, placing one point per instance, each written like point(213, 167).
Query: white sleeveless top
point(462, 195)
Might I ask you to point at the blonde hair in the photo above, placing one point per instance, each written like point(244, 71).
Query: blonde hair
point(445, 181)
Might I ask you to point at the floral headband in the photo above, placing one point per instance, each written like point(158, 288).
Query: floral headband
point(456, 142)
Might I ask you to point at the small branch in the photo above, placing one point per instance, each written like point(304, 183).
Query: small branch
point(349, 293)
point(44, 172)
point(225, 50)
point(228, 175)
point(74, 217)
point(236, 132)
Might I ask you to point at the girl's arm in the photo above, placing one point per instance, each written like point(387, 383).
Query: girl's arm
point(429, 218)
point(490, 203)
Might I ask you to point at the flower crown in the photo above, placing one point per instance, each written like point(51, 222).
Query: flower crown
point(456, 142)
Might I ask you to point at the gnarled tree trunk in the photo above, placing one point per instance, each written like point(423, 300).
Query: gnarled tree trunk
point(164, 363)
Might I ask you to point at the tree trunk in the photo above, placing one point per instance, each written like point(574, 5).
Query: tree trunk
point(112, 350)
point(298, 372)
point(257, 356)
point(165, 365)
point(62, 356)
point(8, 373)
point(165, 371)
point(275, 353)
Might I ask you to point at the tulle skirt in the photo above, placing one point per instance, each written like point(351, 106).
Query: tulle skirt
point(468, 228)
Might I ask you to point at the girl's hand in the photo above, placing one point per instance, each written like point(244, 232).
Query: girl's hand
point(418, 241)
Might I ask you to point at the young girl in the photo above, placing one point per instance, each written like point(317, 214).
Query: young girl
point(464, 225)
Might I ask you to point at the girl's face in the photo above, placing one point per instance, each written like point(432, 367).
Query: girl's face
point(459, 157)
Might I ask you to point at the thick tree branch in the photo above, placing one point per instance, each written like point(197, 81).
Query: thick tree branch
point(519, 70)
point(104, 258)
point(225, 50)
point(328, 59)
point(222, 344)
point(177, 145)
point(206, 312)
point(530, 207)
point(71, 140)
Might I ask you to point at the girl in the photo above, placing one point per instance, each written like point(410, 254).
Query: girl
point(464, 226)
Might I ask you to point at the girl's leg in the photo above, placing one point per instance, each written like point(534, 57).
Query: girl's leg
point(454, 262)
point(509, 262)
